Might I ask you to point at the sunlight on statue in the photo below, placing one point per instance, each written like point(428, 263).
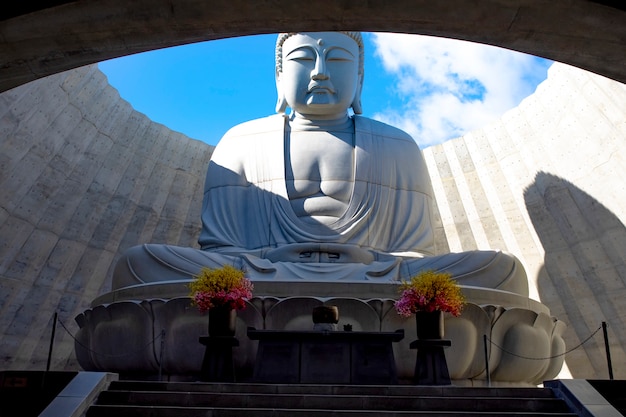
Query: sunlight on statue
point(318, 194)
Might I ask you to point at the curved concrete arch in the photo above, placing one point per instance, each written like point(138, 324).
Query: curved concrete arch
point(36, 42)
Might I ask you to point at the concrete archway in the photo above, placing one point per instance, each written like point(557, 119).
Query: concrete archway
point(61, 35)
point(38, 42)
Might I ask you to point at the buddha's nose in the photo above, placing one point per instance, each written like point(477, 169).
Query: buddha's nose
point(319, 72)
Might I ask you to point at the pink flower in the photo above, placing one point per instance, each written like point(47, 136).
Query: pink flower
point(430, 291)
point(221, 287)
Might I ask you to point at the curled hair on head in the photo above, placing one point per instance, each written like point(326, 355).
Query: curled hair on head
point(282, 37)
point(358, 38)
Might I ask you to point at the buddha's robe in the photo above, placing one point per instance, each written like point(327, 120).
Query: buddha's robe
point(386, 233)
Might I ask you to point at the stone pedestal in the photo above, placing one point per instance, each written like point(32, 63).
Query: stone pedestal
point(506, 318)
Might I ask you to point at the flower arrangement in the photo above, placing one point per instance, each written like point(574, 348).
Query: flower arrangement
point(226, 286)
point(430, 291)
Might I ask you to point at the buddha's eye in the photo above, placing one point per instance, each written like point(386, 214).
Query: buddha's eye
point(339, 54)
point(301, 55)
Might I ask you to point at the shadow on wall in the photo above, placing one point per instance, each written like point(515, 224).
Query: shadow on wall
point(583, 280)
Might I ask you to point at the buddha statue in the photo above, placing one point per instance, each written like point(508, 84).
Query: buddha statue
point(318, 193)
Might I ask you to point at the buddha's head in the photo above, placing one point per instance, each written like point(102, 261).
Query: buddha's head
point(319, 74)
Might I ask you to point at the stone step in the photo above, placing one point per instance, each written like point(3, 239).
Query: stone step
point(335, 402)
point(148, 411)
point(328, 389)
point(183, 399)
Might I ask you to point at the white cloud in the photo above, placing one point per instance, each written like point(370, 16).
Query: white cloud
point(451, 87)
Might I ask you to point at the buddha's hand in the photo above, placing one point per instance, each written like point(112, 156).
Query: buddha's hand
point(320, 252)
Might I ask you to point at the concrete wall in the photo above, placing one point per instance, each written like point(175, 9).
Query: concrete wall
point(83, 176)
point(547, 183)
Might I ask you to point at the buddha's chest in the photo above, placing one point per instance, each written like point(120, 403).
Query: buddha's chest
point(319, 175)
point(319, 157)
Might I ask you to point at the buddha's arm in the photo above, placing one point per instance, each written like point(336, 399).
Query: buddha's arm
point(403, 169)
point(226, 167)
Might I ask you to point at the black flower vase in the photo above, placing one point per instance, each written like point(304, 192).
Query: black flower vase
point(222, 321)
point(431, 367)
point(218, 364)
point(430, 325)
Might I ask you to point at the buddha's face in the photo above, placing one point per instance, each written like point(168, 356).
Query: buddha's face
point(320, 72)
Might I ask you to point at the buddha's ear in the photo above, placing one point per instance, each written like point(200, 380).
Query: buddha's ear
point(356, 103)
point(281, 103)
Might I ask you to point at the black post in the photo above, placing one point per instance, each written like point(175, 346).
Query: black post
point(487, 361)
point(161, 354)
point(608, 351)
point(54, 327)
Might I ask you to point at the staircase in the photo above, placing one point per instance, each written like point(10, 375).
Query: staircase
point(613, 391)
point(182, 399)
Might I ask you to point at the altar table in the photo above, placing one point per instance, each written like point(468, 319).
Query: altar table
point(337, 357)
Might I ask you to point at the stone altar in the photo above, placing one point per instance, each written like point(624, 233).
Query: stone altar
point(322, 357)
point(322, 206)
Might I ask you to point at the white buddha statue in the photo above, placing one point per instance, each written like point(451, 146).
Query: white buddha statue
point(318, 194)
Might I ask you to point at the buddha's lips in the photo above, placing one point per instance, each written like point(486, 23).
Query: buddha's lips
point(315, 88)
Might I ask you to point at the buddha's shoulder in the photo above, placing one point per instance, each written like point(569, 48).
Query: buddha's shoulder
point(256, 127)
point(385, 131)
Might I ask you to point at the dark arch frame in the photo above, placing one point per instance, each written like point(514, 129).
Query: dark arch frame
point(46, 37)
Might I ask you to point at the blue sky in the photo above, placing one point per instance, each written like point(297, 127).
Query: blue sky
point(434, 88)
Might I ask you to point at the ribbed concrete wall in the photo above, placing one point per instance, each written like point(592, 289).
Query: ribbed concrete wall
point(83, 176)
point(547, 183)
